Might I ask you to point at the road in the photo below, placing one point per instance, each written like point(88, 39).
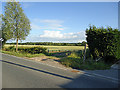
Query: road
point(22, 73)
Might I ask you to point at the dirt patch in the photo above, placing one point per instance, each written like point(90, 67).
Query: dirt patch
point(47, 60)
point(75, 71)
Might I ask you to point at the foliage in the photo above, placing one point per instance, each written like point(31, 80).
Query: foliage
point(75, 61)
point(15, 24)
point(3, 35)
point(31, 50)
point(11, 48)
point(103, 42)
point(50, 43)
point(83, 43)
point(118, 46)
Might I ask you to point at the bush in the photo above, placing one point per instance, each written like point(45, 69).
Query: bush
point(104, 42)
point(71, 62)
point(75, 60)
point(88, 54)
point(32, 50)
point(11, 48)
point(77, 63)
point(109, 59)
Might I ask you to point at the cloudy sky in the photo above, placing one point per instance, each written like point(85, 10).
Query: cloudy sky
point(67, 21)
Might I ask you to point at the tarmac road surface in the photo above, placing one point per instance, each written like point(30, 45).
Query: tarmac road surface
point(22, 73)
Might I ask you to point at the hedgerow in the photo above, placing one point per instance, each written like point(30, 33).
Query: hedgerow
point(104, 42)
point(32, 50)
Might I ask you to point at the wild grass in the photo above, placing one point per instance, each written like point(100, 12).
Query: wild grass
point(19, 54)
point(75, 61)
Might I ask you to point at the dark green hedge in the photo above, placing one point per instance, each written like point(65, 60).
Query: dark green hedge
point(103, 42)
point(32, 50)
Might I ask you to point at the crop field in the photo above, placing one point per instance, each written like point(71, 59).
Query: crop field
point(53, 48)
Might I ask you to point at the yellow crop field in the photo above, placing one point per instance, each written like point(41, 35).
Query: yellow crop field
point(61, 48)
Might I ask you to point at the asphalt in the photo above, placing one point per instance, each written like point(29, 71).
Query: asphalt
point(109, 73)
point(23, 73)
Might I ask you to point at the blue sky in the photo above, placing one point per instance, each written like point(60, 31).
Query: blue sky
point(67, 21)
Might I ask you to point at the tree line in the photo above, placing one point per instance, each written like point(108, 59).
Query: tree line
point(51, 43)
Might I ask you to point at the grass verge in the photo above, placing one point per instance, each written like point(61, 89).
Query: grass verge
point(76, 62)
point(19, 54)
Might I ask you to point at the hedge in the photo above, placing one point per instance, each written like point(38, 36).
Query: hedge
point(32, 50)
point(104, 42)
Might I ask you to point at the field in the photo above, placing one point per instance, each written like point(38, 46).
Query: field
point(54, 48)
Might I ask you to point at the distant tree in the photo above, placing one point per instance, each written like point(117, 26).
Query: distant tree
point(83, 43)
point(15, 23)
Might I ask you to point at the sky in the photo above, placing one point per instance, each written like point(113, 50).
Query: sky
point(67, 21)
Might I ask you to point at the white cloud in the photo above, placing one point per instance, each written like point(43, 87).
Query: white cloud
point(58, 36)
point(52, 21)
point(38, 24)
point(52, 34)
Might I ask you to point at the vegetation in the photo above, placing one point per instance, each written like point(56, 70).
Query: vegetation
point(72, 59)
point(104, 42)
point(53, 48)
point(50, 43)
point(31, 50)
point(75, 60)
point(19, 54)
point(5, 34)
point(15, 24)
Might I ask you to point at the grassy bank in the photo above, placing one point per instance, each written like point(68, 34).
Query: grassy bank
point(76, 62)
point(19, 54)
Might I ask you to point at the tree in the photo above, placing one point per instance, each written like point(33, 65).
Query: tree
point(15, 25)
point(4, 36)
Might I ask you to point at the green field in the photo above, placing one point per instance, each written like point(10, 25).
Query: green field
point(50, 48)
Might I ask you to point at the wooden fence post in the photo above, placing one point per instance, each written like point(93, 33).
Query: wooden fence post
point(84, 54)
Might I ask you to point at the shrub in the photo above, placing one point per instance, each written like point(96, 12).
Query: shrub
point(11, 48)
point(77, 63)
point(75, 60)
point(71, 62)
point(80, 54)
point(88, 54)
point(74, 55)
point(32, 50)
point(103, 42)
point(109, 59)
